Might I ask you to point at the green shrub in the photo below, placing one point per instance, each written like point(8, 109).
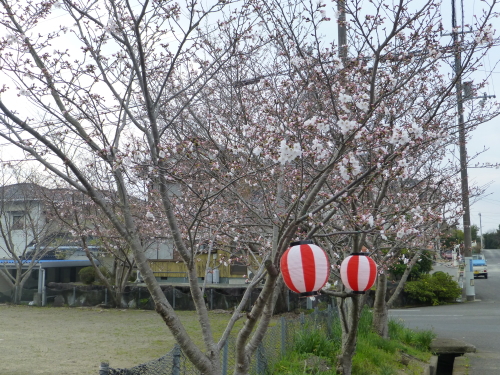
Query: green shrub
point(422, 267)
point(106, 273)
point(87, 275)
point(435, 289)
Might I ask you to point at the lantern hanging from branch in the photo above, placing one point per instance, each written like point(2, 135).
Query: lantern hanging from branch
point(358, 272)
point(305, 268)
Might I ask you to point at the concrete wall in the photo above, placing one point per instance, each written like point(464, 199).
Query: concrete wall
point(4, 287)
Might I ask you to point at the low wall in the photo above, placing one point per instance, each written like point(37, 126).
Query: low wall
point(137, 296)
point(223, 298)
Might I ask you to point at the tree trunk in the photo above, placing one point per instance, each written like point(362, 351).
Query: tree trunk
point(263, 310)
point(380, 308)
point(280, 293)
point(380, 315)
point(402, 282)
point(16, 297)
point(121, 283)
point(117, 298)
point(349, 320)
point(18, 287)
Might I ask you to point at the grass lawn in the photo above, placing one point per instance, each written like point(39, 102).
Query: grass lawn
point(71, 341)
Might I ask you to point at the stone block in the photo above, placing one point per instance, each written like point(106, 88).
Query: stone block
point(433, 364)
point(37, 299)
point(58, 301)
point(451, 346)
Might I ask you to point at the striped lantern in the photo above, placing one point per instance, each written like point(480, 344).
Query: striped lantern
point(358, 272)
point(305, 268)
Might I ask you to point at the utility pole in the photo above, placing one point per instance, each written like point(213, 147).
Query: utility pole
point(470, 291)
point(342, 30)
point(481, 232)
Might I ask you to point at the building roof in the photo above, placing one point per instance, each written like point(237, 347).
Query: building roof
point(48, 263)
point(22, 192)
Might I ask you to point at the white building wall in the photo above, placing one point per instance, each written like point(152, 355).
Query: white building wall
point(33, 222)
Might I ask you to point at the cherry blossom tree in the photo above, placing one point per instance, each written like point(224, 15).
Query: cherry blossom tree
point(236, 123)
point(386, 111)
point(413, 211)
point(390, 214)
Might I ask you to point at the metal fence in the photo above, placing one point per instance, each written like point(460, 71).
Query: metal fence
point(278, 341)
point(59, 294)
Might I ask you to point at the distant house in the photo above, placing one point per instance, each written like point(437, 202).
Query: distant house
point(220, 268)
point(33, 245)
point(25, 225)
point(22, 218)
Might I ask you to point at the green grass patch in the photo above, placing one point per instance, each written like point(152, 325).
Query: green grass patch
point(315, 341)
point(376, 355)
point(420, 340)
point(299, 364)
point(316, 353)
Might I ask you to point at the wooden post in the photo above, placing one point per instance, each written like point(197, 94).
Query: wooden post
point(104, 368)
point(176, 365)
point(261, 360)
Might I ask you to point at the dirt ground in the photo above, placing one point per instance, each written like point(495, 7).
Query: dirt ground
point(74, 341)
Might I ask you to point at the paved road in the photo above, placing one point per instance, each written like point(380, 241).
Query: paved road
point(477, 323)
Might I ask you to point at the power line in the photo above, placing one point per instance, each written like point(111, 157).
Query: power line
point(494, 200)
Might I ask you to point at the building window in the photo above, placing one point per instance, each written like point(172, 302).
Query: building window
point(17, 222)
point(238, 268)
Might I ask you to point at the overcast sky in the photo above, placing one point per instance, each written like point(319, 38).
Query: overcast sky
point(487, 136)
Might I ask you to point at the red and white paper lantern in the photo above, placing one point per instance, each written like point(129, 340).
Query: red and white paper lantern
point(305, 268)
point(358, 272)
